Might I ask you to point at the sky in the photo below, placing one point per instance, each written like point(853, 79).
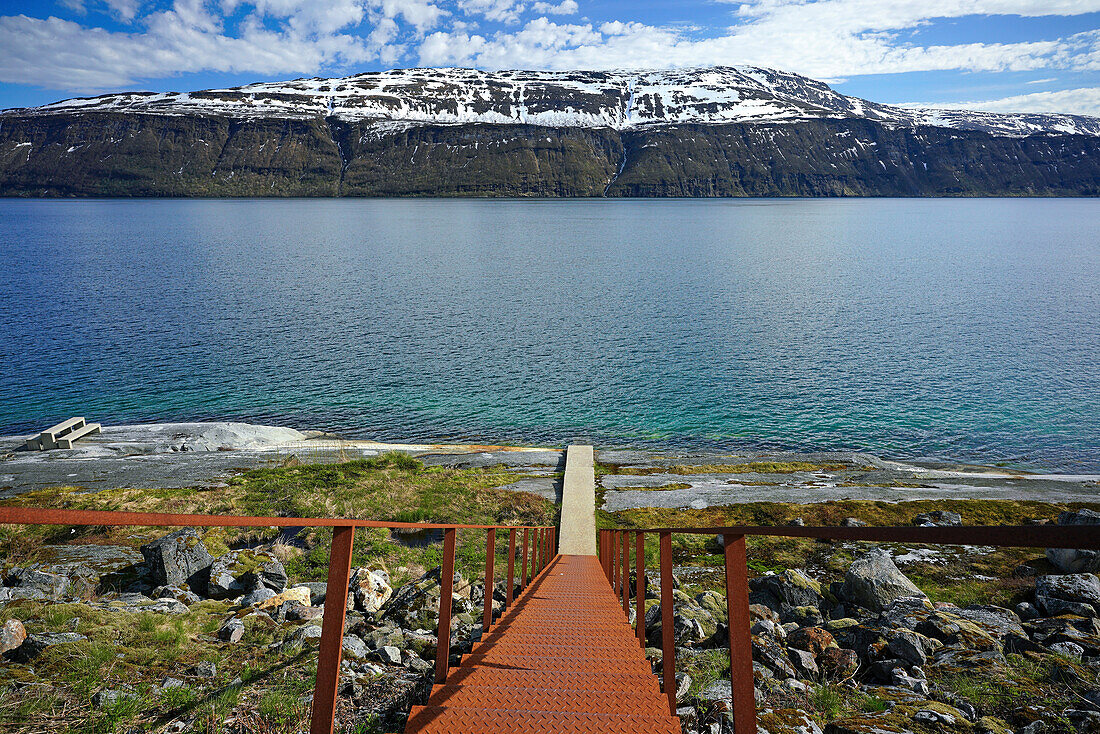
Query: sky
point(1000, 55)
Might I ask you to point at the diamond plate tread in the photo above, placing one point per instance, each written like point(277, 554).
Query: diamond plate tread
point(562, 659)
point(565, 639)
point(638, 703)
point(433, 719)
point(594, 651)
point(554, 679)
point(548, 663)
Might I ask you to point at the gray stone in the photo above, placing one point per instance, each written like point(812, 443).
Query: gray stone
point(908, 646)
point(52, 585)
point(34, 645)
point(938, 518)
point(1078, 588)
point(772, 656)
point(852, 522)
point(177, 558)
point(1070, 560)
point(389, 654)
point(354, 647)
point(873, 581)
point(165, 606)
point(183, 596)
point(305, 633)
point(783, 591)
point(1026, 611)
point(995, 620)
point(1069, 649)
point(231, 631)
point(239, 572)
point(256, 596)
point(109, 697)
point(804, 663)
point(206, 669)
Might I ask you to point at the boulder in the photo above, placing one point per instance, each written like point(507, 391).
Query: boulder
point(174, 592)
point(239, 572)
point(12, 635)
point(371, 589)
point(813, 640)
point(304, 634)
point(873, 581)
point(258, 595)
point(178, 558)
point(804, 663)
point(938, 518)
point(34, 645)
point(354, 648)
point(389, 654)
point(852, 522)
point(773, 657)
point(50, 585)
point(1070, 560)
point(837, 662)
point(995, 620)
point(231, 631)
point(912, 647)
point(1079, 589)
point(782, 592)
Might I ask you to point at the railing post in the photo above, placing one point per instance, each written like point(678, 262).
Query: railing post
point(740, 643)
point(332, 632)
point(447, 580)
point(601, 542)
point(668, 645)
point(626, 574)
point(511, 567)
point(523, 569)
point(639, 587)
point(616, 550)
point(490, 557)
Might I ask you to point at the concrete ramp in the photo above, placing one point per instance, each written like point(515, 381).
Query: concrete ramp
point(577, 536)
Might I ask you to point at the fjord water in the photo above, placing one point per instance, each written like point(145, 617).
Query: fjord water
point(963, 330)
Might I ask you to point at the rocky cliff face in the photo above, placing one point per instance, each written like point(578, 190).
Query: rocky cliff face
point(711, 132)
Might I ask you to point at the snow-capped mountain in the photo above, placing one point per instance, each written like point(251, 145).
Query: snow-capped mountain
point(618, 100)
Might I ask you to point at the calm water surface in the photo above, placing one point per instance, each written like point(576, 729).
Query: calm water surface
point(959, 329)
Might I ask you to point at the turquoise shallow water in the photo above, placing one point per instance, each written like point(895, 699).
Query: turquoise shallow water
point(958, 329)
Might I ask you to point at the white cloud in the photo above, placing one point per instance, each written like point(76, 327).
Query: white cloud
point(824, 39)
point(565, 7)
point(1084, 101)
point(500, 11)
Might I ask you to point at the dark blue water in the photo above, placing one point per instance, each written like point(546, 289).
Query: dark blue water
point(959, 329)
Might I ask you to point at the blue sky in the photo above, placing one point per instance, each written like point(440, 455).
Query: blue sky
point(1003, 55)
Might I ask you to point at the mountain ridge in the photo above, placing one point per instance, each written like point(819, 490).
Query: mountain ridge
point(726, 131)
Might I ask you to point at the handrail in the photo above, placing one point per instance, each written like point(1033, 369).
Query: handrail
point(614, 553)
point(323, 711)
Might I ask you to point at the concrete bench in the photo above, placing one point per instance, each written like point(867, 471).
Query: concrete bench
point(66, 441)
point(67, 431)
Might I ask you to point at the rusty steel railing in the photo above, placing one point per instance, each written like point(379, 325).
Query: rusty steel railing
point(614, 553)
point(539, 540)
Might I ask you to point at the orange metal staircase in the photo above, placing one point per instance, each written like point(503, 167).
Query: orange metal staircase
point(562, 659)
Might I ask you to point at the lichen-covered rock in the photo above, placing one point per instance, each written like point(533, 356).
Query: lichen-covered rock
point(804, 663)
point(178, 558)
point(909, 646)
point(784, 591)
point(299, 595)
point(354, 648)
point(773, 657)
point(838, 662)
point(371, 589)
point(12, 635)
point(1082, 589)
point(50, 585)
point(240, 572)
point(873, 581)
point(813, 640)
point(34, 645)
point(995, 620)
point(786, 721)
point(714, 604)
